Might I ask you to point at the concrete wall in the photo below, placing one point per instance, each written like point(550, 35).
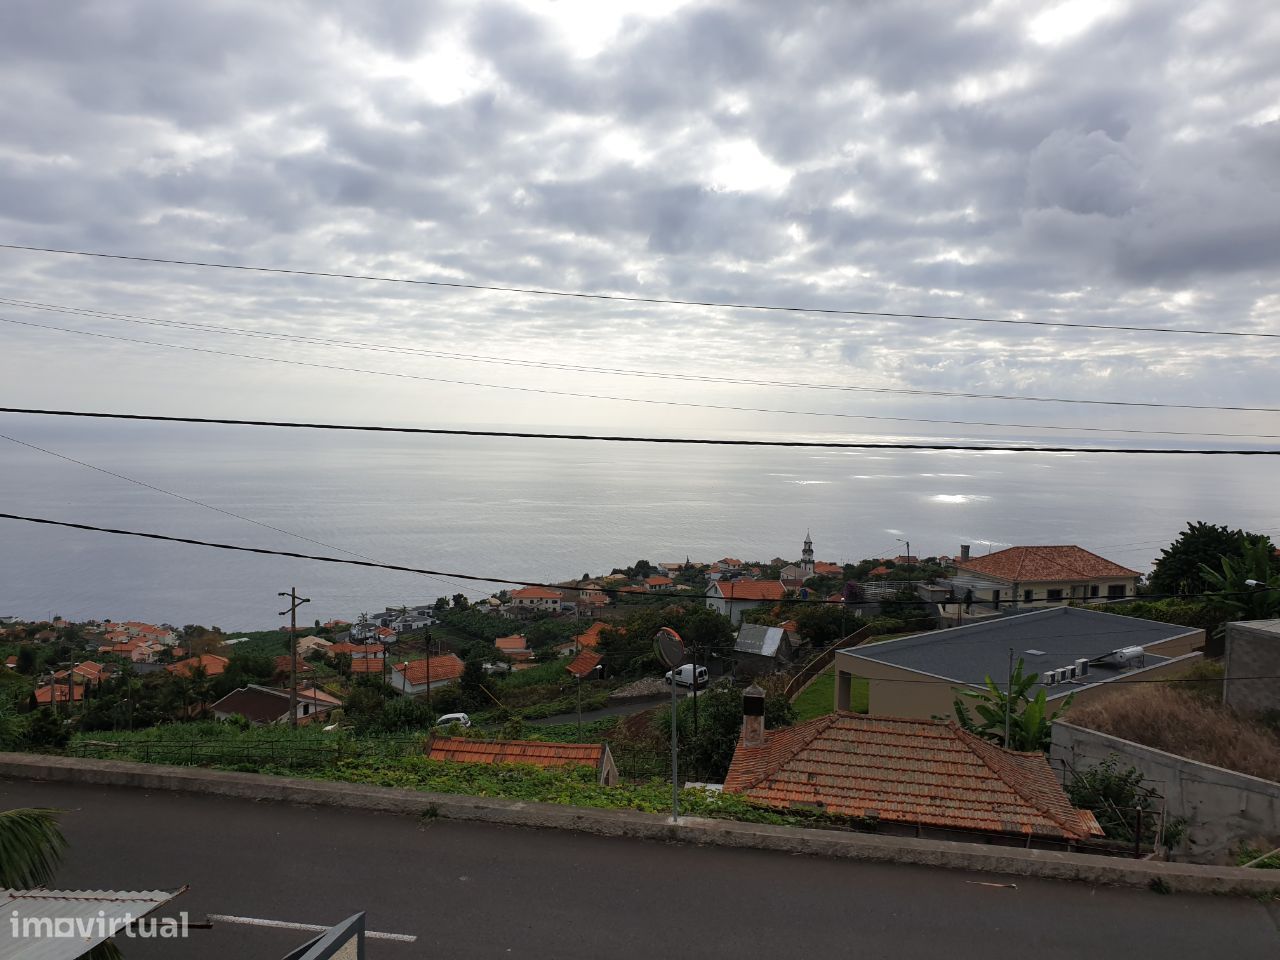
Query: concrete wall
point(1253, 650)
point(1222, 808)
point(1044, 864)
point(898, 692)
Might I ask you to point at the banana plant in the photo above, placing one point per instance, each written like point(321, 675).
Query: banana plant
point(1029, 722)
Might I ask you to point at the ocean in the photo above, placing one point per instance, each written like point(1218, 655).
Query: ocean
point(535, 510)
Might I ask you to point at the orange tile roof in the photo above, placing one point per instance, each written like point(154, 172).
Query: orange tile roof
point(512, 643)
point(213, 665)
point(907, 771)
point(533, 752)
point(584, 663)
point(1031, 564)
point(537, 593)
point(750, 589)
point(790, 626)
point(365, 650)
point(367, 665)
point(658, 581)
point(591, 636)
point(821, 568)
point(445, 667)
point(57, 693)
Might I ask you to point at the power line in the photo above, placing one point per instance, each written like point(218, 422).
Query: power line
point(685, 404)
point(660, 301)
point(697, 441)
point(478, 578)
point(192, 500)
point(608, 371)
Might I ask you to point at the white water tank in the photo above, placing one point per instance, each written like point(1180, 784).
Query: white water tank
point(1126, 656)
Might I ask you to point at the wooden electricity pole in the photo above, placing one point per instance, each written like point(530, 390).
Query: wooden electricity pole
point(295, 602)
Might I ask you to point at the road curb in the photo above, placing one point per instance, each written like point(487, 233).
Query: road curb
point(1011, 861)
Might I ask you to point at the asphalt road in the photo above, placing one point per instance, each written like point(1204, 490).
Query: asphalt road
point(477, 890)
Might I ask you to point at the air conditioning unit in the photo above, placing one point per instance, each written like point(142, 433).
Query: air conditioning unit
point(1062, 674)
point(1047, 678)
point(1082, 667)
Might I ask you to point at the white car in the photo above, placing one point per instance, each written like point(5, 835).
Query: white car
point(449, 719)
point(684, 676)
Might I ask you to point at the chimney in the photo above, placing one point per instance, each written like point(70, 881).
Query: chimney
point(964, 551)
point(753, 717)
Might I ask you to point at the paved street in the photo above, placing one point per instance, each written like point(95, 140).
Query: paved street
point(474, 890)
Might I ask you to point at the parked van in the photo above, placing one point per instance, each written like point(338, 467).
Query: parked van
point(684, 676)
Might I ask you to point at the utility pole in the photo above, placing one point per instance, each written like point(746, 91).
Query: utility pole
point(295, 602)
point(1008, 699)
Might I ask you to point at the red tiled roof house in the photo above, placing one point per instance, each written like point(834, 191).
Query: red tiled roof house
point(731, 597)
point(921, 777)
point(531, 600)
point(1039, 576)
point(419, 676)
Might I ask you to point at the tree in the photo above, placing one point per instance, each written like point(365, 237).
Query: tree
point(708, 754)
point(471, 683)
point(1027, 718)
point(1178, 568)
point(1228, 585)
point(26, 660)
point(460, 601)
point(441, 604)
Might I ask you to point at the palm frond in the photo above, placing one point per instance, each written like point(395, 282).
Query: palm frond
point(30, 847)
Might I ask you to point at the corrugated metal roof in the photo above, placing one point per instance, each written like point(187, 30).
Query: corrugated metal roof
point(760, 640)
point(90, 912)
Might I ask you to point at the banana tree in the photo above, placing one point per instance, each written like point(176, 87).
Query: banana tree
point(1027, 717)
point(1229, 586)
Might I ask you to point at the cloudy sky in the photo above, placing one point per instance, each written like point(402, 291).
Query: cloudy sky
point(1087, 161)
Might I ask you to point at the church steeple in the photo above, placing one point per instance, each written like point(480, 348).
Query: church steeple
point(806, 562)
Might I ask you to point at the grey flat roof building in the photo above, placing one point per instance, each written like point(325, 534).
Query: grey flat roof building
point(1044, 640)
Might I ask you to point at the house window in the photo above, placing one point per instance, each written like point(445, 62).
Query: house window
point(1026, 596)
point(1054, 596)
point(1093, 590)
point(1115, 591)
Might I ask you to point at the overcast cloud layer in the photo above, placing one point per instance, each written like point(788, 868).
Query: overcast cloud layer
point(1094, 162)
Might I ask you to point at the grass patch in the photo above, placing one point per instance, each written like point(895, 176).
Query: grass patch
point(819, 698)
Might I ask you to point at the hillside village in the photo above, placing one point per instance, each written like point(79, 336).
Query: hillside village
point(1030, 666)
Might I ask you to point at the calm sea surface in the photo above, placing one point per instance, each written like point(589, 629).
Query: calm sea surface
point(537, 510)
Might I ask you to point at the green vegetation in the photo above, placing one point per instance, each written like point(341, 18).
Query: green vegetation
point(1125, 808)
point(1026, 719)
point(1179, 568)
point(707, 749)
point(399, 762)
point(1250, 854)
point(818, 699)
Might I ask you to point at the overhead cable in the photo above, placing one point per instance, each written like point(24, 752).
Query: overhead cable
point(656, 301)
point(683, 404)
point(697, 441)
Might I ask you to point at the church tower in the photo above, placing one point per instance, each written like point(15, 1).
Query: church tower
point(806, 562)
